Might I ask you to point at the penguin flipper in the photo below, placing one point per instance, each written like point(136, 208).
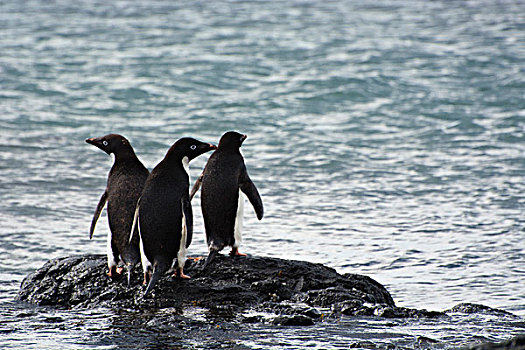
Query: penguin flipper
point(100, 206)
point(188, 217)
point(196, 186)
point(249, 189)
point(134, 226)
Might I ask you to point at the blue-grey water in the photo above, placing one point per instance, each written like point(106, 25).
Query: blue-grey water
point(387, 138)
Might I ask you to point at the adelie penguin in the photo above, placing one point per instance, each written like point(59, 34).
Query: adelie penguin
point(164, 214)
point(126, 180)
point(221, 201)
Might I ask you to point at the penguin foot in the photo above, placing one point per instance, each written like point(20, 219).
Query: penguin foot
point(112, 271)
point(235, 252)
point(197, 258)
point(180, 273)
point(147, 277)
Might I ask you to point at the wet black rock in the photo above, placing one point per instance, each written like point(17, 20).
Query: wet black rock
point(294, 292)
point(296, 320)
point(228, 286)
point(81, 282)
point(468, 308)
point(231, 294)
point(516, 343)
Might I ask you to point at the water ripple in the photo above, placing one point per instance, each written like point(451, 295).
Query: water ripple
point(386, 138)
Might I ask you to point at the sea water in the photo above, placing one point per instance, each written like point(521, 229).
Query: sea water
point(386, 138)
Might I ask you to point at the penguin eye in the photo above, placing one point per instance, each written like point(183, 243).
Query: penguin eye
point(105, 143)
point(193, 147)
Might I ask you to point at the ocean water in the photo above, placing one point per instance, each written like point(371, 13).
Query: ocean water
point(386, 138)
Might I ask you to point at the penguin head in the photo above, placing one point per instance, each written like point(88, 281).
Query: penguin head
point(112, 143)
point(232, 139)
point(189, 147)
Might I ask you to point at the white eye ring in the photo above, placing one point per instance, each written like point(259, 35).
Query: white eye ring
point(105, 143)
point(193, 147)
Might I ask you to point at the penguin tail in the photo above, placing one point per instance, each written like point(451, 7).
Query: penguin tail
point(211, 255)
point(129, 268)
point(155, 276)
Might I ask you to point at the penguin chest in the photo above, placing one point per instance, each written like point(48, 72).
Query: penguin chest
point(186, 166)
point(239, 217)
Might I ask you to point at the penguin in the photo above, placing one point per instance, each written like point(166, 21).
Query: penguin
point(164, 213)
point(221, 201)
point(125, 182)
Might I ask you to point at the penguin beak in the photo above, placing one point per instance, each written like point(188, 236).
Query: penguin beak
point(92, 141)
point(97, 142)
point(206, 147)
point(244, 137)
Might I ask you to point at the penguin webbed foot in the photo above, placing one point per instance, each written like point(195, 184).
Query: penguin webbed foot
point(147, 277)
point(113, 271)
point(235, 252)
point(180, 273)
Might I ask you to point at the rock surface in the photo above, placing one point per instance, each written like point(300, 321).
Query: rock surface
point(468, 308)
point(218, 301)
point(296, 291)
point(516, 343)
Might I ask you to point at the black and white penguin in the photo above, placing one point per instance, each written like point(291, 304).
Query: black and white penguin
point(126, 180)
point(164, 214)
point(221, 201)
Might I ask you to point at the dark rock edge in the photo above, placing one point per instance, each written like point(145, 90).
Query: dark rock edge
point(298, 293)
